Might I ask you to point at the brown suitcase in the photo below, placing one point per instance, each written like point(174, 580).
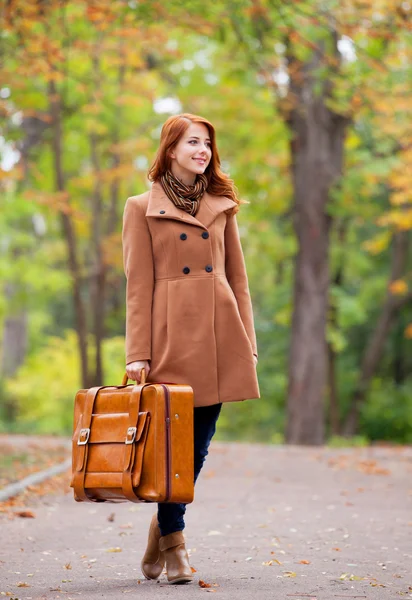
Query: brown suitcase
point(133, 442)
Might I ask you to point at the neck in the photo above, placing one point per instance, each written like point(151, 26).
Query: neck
point(185, 176)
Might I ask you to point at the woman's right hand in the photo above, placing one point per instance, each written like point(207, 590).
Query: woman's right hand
point(134, 369)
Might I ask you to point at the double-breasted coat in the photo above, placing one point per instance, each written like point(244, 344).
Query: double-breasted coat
point(188, 306)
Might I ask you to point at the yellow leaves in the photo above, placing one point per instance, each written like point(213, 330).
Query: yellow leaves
point(351, 577)
point(399, 219)
point(116, 549)
point(378, 244)
point(289, 574)
point(398, 287)
point(270, 563)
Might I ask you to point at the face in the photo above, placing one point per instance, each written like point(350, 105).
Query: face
point(192, 153)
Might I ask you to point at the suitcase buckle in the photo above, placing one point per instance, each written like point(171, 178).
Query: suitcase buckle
point(86, 434)
point(131, 435)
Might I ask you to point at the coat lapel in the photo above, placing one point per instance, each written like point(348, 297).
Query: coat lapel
point(210, 207)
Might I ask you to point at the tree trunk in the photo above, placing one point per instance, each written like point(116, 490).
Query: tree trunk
point(98, 280)
point(317, 153)
point(69, 234)
point(375, 347)
point(333, 388)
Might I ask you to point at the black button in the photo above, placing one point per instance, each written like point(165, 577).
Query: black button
point(209, 268)
point(162, 212)
point(186, 270)
point(205, 235)
point(183, 236)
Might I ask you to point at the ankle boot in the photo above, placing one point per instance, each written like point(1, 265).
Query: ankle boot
point(177, 560)
point(153, 560)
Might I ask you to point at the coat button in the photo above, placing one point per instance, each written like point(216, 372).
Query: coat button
point(186, 270)
point(162, 212)
point(209, 268)
point(183, 236)
point(205, 235)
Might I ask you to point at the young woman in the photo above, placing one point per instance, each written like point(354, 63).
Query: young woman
point(188, 310)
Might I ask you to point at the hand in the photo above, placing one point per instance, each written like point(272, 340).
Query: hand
point(134, 369)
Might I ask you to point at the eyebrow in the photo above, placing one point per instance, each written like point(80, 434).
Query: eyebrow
point(196, 138)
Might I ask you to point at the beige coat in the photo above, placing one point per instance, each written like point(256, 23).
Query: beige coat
point(188, 307)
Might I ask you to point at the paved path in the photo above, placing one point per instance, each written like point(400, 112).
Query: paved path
point(279, 523)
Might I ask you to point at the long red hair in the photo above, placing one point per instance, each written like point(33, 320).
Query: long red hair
point(219, 184)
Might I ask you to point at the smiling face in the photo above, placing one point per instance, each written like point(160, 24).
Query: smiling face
point(192, 153)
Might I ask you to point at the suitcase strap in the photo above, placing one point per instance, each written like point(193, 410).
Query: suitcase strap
point(137, 431)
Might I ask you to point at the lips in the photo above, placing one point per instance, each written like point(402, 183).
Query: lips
point(201, 161)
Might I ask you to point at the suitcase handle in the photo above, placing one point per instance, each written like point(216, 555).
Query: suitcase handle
point(142, 380)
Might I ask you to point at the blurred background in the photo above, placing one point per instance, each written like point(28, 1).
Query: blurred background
point(312, 106)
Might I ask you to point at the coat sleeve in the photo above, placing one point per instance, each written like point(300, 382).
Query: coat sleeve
point(237, 278)
point(139, 271)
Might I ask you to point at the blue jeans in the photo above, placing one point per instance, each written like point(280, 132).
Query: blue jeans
point(171, 516)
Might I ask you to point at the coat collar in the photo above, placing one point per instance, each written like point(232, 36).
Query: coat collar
point(210, 207)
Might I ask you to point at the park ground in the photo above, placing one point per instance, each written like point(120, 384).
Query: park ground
point(268, 522)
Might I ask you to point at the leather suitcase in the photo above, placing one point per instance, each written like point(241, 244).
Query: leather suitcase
point(133, 443)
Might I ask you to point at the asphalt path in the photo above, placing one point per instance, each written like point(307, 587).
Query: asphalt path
point(268, 522)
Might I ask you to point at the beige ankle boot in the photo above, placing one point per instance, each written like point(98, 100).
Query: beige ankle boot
point(176, 558)
point(153, 560)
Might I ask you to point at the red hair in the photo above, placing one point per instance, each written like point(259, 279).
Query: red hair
point(219, 184)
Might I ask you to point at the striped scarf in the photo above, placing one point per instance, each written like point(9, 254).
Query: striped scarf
point(186, 197)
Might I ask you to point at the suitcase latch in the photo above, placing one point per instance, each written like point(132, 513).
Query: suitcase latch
point(83, 437)
point(131, 435)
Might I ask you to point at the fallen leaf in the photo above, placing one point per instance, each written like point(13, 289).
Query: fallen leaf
point(22, 584)
point(193, 570)
point(111, 517)
point(68, 566)
point(26, 514)
point(289, 574)
point(203, 584)
point(304, 562)
point(116, 549)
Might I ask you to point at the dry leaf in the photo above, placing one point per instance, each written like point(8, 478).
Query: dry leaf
point(203, 584)
point(304, 562)
point(68, 566)
point(26, 514)
point(116, 549)
point(111, 517)
point(289, 574)
point(22, 584)
point(193, 570)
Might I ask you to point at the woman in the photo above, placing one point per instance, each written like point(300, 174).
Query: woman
point(188, 310)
